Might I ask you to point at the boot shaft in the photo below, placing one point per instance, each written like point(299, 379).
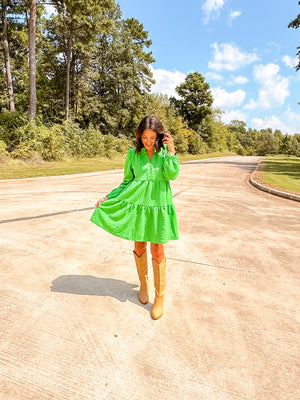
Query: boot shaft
point(159, 273)
point(141, 265)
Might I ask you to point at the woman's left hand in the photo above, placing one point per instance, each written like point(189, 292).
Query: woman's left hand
point(168, 140)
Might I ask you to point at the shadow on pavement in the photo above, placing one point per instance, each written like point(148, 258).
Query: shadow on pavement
point(89, 285)
point(248, 166)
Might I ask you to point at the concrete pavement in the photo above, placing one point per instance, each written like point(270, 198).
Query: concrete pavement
point(71, 326)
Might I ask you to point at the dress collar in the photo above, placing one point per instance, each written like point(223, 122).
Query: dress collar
point(144, 150)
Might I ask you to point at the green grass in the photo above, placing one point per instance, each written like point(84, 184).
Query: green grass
point(282, 173)
point(21, 169)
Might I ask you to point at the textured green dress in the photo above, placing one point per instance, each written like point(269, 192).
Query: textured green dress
point(141, 208)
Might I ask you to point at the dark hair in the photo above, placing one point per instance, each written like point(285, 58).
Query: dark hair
point(149, 122)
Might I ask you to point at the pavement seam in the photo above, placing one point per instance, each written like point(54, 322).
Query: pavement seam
point(235, 269)
point(6, 221)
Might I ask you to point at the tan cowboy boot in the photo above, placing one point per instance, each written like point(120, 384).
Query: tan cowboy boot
point(159, 272)
point(142, 269)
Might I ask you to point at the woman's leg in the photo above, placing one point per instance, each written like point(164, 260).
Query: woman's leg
point(157, 251)
point(139, 248)
point(140, 256)
point(159, 273)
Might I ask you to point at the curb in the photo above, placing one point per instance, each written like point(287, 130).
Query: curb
point(267, 189)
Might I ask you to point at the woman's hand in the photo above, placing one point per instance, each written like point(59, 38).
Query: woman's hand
point(101, 201)
point(168, 140)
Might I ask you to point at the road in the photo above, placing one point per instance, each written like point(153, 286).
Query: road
point(72, 327)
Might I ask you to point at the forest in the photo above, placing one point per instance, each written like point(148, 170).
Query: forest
point(76, 82)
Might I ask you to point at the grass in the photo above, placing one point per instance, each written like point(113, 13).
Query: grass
point(21, 169)
point(281, 172)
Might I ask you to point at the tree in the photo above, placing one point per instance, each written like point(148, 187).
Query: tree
point(74, 28)
point(32, 60)
point(195, 100)
point(268, 143)
point(9, 85)
point(295, 24)
point(118, 78)
point(284, 145)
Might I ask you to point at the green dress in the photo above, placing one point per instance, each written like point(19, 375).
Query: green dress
point(141, 208)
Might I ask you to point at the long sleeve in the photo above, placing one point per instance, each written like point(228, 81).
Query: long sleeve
point(128, 176)
point(171, 166)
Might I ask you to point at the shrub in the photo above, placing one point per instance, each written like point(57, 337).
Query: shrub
point(52, 143)
point(9, 122)
point(181, 143)
point(93, 143)
point(196, 144)
point(3, 153)
point(114, 145)
point(240, 150)
point(73, 139)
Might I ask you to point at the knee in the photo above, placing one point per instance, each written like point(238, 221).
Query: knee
point(139, 248)
point(158, 253)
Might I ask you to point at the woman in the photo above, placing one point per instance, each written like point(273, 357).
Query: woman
point(141, 209)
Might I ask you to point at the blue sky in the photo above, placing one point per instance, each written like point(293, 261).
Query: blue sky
point(244, 50)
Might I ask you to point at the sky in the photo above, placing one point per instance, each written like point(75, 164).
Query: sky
point(244, 49)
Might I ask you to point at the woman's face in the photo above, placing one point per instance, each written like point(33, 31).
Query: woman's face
point(148, 139)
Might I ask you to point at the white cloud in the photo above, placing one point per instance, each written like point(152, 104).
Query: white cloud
point(226, 100)
point(229, 116)
point(240, 80)
point(210, 75)
point(166, 81)
point(293, 120)
point(50, 9)
point(272, 122)
point(211, 9)
point(290, 61)
point(288, 122)
point(274, 88)
point(228, 57)
point(233, 15)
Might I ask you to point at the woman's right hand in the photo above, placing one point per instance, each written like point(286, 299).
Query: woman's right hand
point(101, 201)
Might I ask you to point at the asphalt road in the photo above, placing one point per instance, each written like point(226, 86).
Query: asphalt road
point(71, 326)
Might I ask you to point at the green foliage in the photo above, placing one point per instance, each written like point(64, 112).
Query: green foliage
point(240, 150)
point(196, 145)
point(295, 24)
point(9, 122)
point(59, 141)
point(195, 100)
point(3, 152)
point(268, 144)
point(108, 60)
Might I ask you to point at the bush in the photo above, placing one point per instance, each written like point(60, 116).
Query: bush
point(9, 123)
point(240, 150)
point(181, 143)
point(3, 148)
point(113, 145)
point(3, 153)
point(73, 139)
point(93, 143)
point(196, 144)
point(52, 143)
point(25, 141)
point(37, 141)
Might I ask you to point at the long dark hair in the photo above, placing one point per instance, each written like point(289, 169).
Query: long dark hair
point(149, 122)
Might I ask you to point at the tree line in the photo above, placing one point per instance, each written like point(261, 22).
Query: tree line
point(77, 82)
